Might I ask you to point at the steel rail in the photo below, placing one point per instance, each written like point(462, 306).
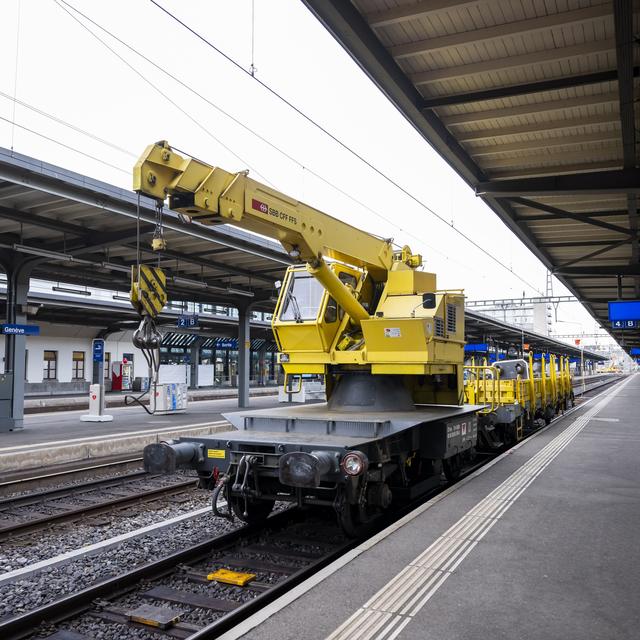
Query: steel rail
point(72, 605)
point(34, 524)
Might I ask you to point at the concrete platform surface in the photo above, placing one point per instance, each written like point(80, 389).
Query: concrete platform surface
point(541, 544)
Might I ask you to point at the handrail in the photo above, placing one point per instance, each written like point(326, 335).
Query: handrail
point(532, 384)
point(479, 382)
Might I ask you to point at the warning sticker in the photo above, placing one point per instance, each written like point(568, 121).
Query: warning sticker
point(216, 453)
point(392, 332)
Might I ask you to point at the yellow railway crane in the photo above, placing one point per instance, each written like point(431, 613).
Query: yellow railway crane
point(353, 309)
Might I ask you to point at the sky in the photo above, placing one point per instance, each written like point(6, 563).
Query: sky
point(120, 103)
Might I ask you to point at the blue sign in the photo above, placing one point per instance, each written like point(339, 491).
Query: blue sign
point(98, 350)
point(477, 346)
point(20, 329)
point(186, 321)
point(624, 310)
point(635, 351)
point(624, 324)
point(226, 343)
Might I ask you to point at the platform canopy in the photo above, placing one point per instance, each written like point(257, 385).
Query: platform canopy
point(532, 103)
point(82, 231)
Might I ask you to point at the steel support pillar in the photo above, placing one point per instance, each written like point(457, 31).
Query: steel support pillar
point(18, 271)
point(244, 356)
point(194, 361)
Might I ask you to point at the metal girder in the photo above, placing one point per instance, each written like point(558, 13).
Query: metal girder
point(617, 181)
point(609, 133)
point(421, 9)
point(574, 243)
point(512, 91)
point(91, 243)
point(529, 108)
point(555, 170)
point(558, 216)
point(593, 254)
point(212, 264)
point(568, 214)
point(542, 159)
point(519, 301)
point(508, 29)
point(512, 62)
point(24, 217)
point(623, 22)
point(537, 127)
point(601, 270)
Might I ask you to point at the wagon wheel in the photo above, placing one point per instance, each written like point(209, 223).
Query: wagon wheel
point(452, 467)
point(356, 520)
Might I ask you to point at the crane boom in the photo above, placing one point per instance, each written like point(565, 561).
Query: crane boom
point(212, 195)
point(351, 305)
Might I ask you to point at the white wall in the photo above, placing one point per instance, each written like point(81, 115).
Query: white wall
point(174, 373)
point(117, 344)
point(205, 375)
point(65, 339)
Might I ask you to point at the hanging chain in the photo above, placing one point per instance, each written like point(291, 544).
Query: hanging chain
point(138, 238)
point(159, 243)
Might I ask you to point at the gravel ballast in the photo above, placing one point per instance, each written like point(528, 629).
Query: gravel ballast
point(52, 583)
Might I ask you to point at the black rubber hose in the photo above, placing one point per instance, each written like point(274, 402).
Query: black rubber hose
point(214, 500)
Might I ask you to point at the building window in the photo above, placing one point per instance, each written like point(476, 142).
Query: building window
point(107, 365)
point(77, 368)
point(50, 365)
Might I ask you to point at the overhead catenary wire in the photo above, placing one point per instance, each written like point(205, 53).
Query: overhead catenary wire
point(69, 125)
point(157, 89)
point(263, 139)
point(15, 78)
point(63, 144)
point(338, 141)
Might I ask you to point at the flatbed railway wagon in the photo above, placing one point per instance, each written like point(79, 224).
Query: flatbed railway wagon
point(516, 395)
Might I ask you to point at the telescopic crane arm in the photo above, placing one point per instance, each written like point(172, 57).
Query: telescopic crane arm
point(212, 196)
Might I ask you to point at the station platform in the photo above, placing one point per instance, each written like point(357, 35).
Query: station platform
point(47, 403)
point(541, 543)
point(61, 437)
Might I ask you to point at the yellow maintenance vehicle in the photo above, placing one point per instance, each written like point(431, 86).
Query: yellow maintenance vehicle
point(516, 394)
point(359, 312)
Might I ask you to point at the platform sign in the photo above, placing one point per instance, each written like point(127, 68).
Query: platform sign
point(187, 320)
point(625, 324)
point(20, 330)
point(621, 310)
point(98, 350)
point(476, 346)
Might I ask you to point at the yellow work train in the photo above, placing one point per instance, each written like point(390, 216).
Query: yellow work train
point(517, 394)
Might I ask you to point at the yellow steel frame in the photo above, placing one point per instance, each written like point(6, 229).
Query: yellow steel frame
point(484, 385)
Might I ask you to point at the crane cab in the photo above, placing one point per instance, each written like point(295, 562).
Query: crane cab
point(309, 320)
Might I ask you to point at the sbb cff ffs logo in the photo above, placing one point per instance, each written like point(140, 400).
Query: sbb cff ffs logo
point(263, 207)
point(259, 206)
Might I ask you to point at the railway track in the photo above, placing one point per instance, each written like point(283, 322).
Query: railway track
point(175, 597)
point(14, 482)
point(37, 510)
point(179, 595)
